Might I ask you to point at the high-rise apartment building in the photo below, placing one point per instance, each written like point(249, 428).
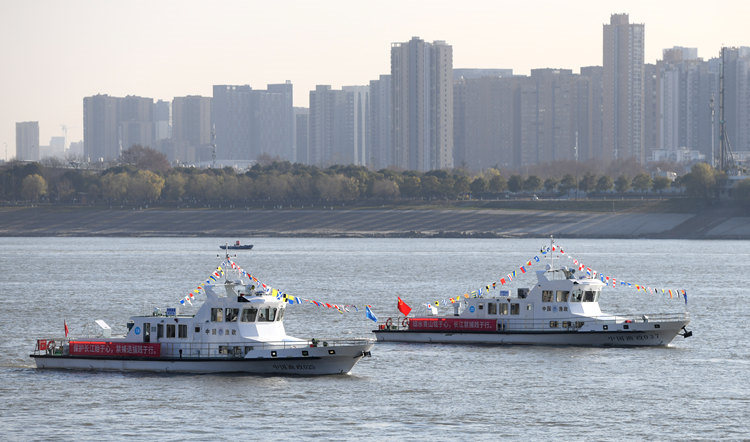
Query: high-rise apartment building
point(422, 102)
point(114, 124)
point(101, 139)
point(555, 118)
point(286, 148)
point(684, 91)
point(736, 63)
point(485, 119)
point(162, 127)
point(301, 133)
point(191, 128)
point(249, 123)
point(589, 118)
point(338, 125)
point(650, 109)
point(27, 141)
point(357, 118)
point(136, 120)
point(623, 90)
point(380, 124)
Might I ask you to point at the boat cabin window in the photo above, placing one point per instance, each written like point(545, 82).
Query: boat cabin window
point(515, 309)
point(562, 295)
point(492, 308)
point(182, 330)
point(503, 310)
point(481, 306)
point(217, 315)
point(231, 314)
point(553, 324)
point(576, 295)
point(590, 296)
point(267, 314)
point(546, 295)
point(249, 314)
point(523, 293)
point(170, 330)
point(280, 316)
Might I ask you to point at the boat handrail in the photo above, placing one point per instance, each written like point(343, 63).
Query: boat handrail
point(574, 321)
point(213, 349)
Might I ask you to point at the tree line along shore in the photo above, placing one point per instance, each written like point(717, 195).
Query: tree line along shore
point(142, 176)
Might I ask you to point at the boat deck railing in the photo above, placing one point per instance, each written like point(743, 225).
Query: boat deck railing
point(228, 349)
point(569, 322)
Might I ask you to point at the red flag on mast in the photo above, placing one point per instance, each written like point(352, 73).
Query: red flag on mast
point(65, 323)
point(403, 308)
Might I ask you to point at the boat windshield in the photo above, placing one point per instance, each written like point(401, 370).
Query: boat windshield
point(591, 296)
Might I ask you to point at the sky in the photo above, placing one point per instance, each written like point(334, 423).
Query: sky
point(54, 53)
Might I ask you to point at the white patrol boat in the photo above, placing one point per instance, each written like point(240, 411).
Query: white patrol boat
point(237, 329)
point(561, 309)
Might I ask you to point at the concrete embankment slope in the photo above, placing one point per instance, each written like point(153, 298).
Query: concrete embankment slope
point(53, 221)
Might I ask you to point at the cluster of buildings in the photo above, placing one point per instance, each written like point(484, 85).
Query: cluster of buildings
point(427, 115)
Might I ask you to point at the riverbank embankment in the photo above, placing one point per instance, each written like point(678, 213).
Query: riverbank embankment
point(370, 222)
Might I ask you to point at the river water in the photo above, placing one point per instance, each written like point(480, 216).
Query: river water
point(696, 388)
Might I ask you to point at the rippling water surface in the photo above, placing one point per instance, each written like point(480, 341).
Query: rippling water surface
point(695, 388)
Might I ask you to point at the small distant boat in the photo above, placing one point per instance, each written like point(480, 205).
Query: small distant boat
point(236, 246)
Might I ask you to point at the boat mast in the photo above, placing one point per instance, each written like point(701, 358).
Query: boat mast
point(551, 255)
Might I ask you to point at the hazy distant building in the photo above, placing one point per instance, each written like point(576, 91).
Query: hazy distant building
point(249, 123)
point(650, 109)
point(485, 118)
point(234, 115)
point(623, 90)
point(473, 73)
point(357, 118)
point(285, 149)
point(114, 124)
point(736, 97)
point(136, 118)
point(684, 90)
point(422, 94)
point(338, 125)
point(101, 140)
point(191, 129)
point(380, 131)
point(27, 141)
point(75, 150)
point(162, 128)
point(55, 149)
point(555, 118)
point(301, 133)
point(589, 113)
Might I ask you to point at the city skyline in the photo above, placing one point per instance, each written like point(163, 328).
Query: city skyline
point(63, 52)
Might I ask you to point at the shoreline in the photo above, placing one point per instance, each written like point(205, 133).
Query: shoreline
point(369, 223)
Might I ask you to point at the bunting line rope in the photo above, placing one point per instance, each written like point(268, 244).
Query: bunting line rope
point(524, 267)
point(291, 299)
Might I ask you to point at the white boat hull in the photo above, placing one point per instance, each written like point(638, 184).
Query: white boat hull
point(319, 362)
point(661, 337)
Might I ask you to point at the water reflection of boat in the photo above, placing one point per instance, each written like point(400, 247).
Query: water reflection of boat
point(237, 329)
point(236, 246)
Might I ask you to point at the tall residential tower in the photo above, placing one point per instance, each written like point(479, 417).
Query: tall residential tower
point(623, 90)
point(422, 100)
